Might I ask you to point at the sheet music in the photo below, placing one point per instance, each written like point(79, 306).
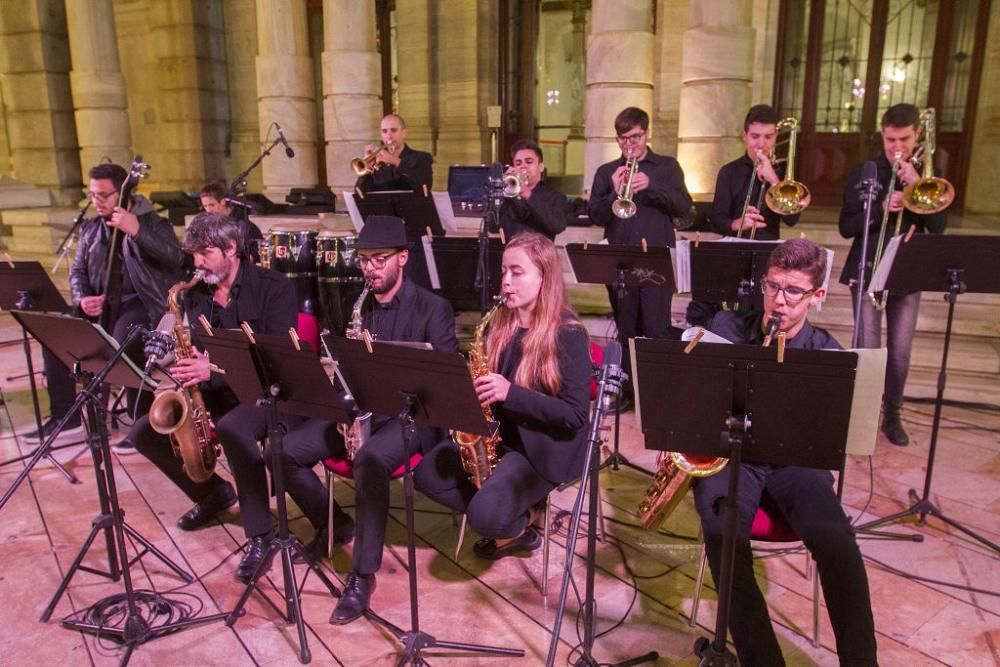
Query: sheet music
point(568, 273)
point(680, 257)
point(352, 209)
point(869, 381)
point(708, 337)
point(881, 273)
point(432, 269)
point(446, 214)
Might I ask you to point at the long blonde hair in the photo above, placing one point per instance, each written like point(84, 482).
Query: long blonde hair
point(539, 367)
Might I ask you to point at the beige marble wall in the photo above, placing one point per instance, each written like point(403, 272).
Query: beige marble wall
point(416, 31)
point(97, 84)
point(984, 167)
point(285, 91)
point(6, 165)
point(352, 86)
point(34, 67)
point(765, 23)
point(717, 71)
point(240, 20)
point(620, 73)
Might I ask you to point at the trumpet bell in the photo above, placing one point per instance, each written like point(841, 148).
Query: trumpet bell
point(360, 167)
point(787, 197)
point(623, 208)
point(928, 195)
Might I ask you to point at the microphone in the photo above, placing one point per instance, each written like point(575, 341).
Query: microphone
point(772, 328)
point(157, 344)
point(868, 186)
point(281, 137)
point(611, 373)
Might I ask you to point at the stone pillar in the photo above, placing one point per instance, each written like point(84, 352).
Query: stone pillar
point(576, 141)
point(352, 86)
point(244, 125)
point(98, 86)
point(34, 67)
point(671, 22)
point(416, 35)
point(619, 74)
point(286, 95)
point(984, 168)
point(716, 74)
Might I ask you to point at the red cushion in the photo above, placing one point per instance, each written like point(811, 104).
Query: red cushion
point(596, 359)
point(769, 524)
point(345, 467)
point(307, 327)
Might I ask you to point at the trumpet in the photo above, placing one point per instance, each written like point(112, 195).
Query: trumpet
point(369, 164)
point(623, 207)
point(513, 182)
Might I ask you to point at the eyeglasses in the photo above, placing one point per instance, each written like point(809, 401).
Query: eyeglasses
point(635, 137)
point(378, 261)
point(793, 294)
point(102, 196)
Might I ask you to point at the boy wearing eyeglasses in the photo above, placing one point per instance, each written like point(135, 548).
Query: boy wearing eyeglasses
point(659, 194)
point(793, 283)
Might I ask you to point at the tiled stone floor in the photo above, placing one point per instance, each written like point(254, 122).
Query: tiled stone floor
point(646, 579)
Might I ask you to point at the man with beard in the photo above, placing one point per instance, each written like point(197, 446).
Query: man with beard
point(151, 262)
point(232, 291)
point(400, 311)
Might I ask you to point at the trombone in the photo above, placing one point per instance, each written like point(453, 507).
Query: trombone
point(369, 164)
point(786, 197)
point(927, 195)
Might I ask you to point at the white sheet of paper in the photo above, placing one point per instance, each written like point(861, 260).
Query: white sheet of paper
point(352, 209)
point(862, 432)
point(432, 269)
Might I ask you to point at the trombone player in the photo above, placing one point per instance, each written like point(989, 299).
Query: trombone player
point(393, 165)
point(657, 191)
point(901, 128)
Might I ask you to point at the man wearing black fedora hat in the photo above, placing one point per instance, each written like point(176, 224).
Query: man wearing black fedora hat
point(401, 310)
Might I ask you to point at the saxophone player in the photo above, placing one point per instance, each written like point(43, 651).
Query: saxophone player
point(401, 310)
point(658, 192)
point(793, 283)
point(538, 384)
point(233, 290)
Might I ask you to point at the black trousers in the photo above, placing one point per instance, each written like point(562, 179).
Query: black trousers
point(373, 464)
point(807, 500)
point(501, 508)
point(640, 311)
point(62, 387)
point(304, 447)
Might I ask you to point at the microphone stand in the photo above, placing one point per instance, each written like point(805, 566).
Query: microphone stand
point(610, 386)
point(491, 220)
point(239, 185)
point(67, 243)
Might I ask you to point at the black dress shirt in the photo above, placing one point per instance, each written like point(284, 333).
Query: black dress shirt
point(731, 193)
point(545, 211)
point(415, 170)
point(852, 219)
point(744, 328)
point(666, 196)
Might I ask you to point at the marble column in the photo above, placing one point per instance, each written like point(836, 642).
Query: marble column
point(716, 74)
point(671, 22)
point(576, 141)
point(102, 124)
point(285, 93)
point(244, 125)
point(619, 74)
point(352, 86)
point(416, 32)
point(34, 75)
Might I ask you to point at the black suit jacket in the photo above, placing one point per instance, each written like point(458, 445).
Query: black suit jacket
point(545, 211)
point(553, 429)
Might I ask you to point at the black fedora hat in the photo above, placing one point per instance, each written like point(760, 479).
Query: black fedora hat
point(382, 231)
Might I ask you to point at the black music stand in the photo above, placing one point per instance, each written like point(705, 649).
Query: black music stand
point(422, 386)
point(97, 359)
point(26, 286)
point(621, 266)
point(456, 261)
point(954, 265)
point(729, 271)
point(418, 213)
point(740, 403)
point(270, 372)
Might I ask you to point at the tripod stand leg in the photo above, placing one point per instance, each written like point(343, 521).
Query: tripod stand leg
point(148, 546)
point(64, 584)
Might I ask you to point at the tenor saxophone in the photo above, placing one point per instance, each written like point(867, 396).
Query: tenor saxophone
point(357, 432)
point(181, 413)
point(479, 453)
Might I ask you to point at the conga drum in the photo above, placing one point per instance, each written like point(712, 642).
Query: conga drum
point(340, 278)
point(293, 253)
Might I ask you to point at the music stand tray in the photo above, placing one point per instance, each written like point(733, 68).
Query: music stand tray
point(728, 271)
point(621, 265)
point(453, 265)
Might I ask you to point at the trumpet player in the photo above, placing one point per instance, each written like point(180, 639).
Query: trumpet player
point(396, 165)
point(792, 285)
point(658, 192)
point(735, 178)
point(900, 133)
point(231, 291)
point(535, 208)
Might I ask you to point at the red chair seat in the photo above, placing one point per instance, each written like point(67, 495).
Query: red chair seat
point(596, 359)
point(770, 525)
point(345, 467)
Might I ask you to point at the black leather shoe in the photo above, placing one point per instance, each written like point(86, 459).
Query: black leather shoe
point(527, 541)
point(892, 427)
point(355, 598)
point(208, 509)
point(256, 550)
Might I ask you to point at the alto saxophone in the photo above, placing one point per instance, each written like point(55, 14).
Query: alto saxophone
point(181, 413)
point(356, 433)
point(479, 453)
